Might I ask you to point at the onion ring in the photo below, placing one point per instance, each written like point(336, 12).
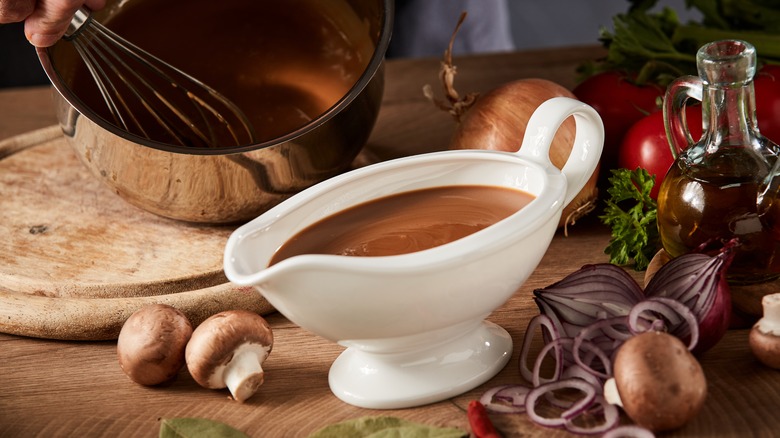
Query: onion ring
point(579, 406)
point(611, 418)
point(537, 321)
point(577, 372)
point(668, 308)
point(628, 431)
point(516, 394)
point(489, 398)
point(580, 342)
point(558, 346)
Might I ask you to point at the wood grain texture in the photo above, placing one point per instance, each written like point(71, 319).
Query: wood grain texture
point(98, 319)
point(67, 235)
point(56, 389)
point(76, 260)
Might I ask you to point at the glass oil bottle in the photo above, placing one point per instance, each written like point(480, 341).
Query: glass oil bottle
point(725, 185)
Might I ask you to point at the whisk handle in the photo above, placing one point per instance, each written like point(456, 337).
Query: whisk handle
point(80, 18)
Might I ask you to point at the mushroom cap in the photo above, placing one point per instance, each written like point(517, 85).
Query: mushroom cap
point(215, 341)
point(661, 384)
point(765, 346)
point(151, 344)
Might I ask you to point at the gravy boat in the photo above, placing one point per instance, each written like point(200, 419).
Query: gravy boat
point(414, 324)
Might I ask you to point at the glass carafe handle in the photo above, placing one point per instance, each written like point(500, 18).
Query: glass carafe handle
point(677, 95)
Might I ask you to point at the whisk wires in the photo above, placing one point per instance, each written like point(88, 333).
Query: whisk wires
point(149, 97)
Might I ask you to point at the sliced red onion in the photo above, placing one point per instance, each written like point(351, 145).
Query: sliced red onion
point(651, 316)
point(493, 397)
point(538, 321)
point(675, 314)
point(565, 343)
point(516, 394)
point(699, 281)
point(610, 413)
point(589, 394)
point(606, 334)
point(557, 345)
point(690, 329)
point(579, 343)
point(577, 372)
point(610, 328)
point(628, 431)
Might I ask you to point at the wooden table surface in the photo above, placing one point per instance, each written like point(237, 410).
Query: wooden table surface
point(76, 389)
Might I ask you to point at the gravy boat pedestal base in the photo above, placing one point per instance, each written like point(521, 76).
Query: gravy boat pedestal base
point(426, 374)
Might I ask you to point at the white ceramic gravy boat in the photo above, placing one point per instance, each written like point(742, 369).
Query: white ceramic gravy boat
point(414, 324)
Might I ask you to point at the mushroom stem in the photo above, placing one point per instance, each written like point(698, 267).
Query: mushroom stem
point(611, 394)
point(764, 339)
point(226, 350)
point(770, 322)
point(244, 373)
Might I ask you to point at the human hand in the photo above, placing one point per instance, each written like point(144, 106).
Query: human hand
point(45, 21)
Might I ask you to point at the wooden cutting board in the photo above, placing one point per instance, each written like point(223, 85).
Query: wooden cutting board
point(76, 260)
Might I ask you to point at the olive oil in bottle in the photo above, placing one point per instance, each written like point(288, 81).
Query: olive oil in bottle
point(726, 185)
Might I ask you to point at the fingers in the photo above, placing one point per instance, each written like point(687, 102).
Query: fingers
point(94, 5)
point(49, 21)
point(12, 11)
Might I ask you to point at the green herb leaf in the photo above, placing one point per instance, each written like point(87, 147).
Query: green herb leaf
point(385, 427)
point(197, 428)
point(642, 43)
point(656, 47)
point(630, 212)
point(763, 15)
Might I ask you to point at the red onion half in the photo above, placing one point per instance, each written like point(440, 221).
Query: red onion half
point(591, 293)
point(699, 281)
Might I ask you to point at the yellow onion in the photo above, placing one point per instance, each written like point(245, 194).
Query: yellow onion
point(497, 120)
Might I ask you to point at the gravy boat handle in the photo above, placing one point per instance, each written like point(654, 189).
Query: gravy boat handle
point(588, 142)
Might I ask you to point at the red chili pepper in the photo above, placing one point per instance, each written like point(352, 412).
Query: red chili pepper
point(480, 423)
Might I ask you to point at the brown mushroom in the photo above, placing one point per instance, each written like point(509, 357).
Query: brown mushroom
point(657, 381)
point(764, 337)
point(228, 349)
point(151, 344)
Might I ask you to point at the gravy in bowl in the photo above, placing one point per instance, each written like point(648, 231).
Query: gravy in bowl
point(406, 222)
point(282, 63)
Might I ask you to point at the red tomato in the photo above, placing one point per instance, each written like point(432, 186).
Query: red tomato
point(645, 145)
point(620, 103)
point(767, 86)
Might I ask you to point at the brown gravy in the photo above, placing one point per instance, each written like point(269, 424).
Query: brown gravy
point(283, 63)
point(406, 222)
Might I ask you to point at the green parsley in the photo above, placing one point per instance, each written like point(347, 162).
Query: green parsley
point(630, 212)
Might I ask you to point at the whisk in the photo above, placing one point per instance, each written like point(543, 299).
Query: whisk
point(149, 97)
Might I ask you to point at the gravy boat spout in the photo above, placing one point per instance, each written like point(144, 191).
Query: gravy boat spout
point(414, 324)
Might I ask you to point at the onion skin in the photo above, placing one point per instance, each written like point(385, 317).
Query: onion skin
point(497, 121)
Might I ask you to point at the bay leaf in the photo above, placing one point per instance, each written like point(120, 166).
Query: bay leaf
point(197, 428)
point(385, 427)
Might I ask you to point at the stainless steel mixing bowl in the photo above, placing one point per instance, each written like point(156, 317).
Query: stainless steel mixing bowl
point(223, 185)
